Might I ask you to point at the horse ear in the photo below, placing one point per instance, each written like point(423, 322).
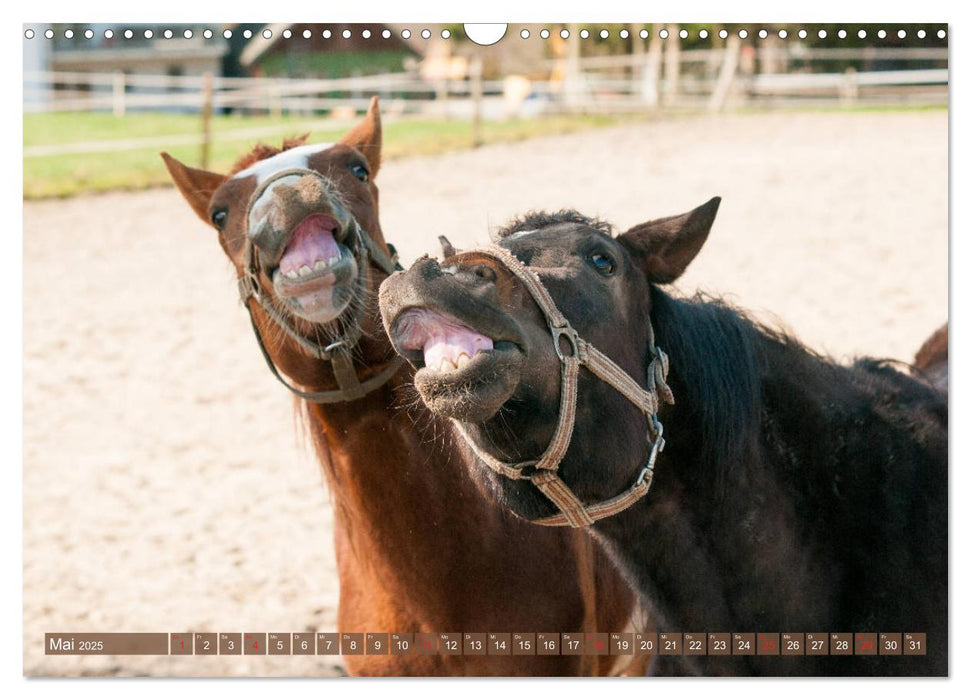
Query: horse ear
point(366, 136)
point(448, 250)
point(195, 185)
point(664, 247)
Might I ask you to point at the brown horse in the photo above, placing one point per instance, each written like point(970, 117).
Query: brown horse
point(793, 495)
point(418, 548)
point(931, 360)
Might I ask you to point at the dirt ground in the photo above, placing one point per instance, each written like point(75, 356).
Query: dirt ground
point(166, 485)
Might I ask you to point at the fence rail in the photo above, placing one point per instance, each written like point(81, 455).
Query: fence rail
point(804, 81)
point(579, 85)
point(710, 79)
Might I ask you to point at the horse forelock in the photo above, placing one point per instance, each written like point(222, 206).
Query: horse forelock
point(262, 151)
point(536, 220)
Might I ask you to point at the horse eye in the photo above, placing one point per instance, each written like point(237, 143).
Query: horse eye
point(359, 171)
point(219, 218)
point(604, 264)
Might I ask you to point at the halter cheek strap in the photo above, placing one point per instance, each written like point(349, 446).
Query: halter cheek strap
point(338, 352)
point(543, 472)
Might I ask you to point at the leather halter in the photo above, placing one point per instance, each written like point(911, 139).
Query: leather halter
point(543, 471)
point(337, 352)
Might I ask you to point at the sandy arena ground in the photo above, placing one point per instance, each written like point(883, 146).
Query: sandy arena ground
point(166, 486)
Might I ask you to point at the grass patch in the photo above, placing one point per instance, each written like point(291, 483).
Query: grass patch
point(63, 175)
point(71, 127)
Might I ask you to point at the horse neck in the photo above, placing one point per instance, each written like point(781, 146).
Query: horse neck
point(767, 448)
point(692, 544)
point(390, 468)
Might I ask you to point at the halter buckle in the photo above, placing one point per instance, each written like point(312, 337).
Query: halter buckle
point(572, 337)
point(333, 346)
point(658, 429)
point(248, 286)
point(645, 472)
point(658, 446)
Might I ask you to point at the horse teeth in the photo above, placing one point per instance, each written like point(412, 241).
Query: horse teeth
point(463, 361)
point(292, 275)
point(304, 270)
point(320, 265)
point(333, 259)
point(447, 365)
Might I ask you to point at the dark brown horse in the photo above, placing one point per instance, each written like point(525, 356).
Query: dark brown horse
point(793, 495)
point(418, 548)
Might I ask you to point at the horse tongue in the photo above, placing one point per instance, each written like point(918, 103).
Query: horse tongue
point(311, 241)
point(451, 342)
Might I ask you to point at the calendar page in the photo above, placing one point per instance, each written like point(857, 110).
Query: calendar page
point(231, 469)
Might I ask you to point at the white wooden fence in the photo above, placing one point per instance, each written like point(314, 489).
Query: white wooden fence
point(698, 79)
point(588, 84)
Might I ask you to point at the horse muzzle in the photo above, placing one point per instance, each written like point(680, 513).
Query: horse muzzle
point(443, 291)
point(297, 213)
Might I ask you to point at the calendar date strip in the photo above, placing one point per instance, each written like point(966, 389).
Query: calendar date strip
point(488, 643)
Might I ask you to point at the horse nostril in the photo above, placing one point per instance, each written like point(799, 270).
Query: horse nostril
point(484, 272)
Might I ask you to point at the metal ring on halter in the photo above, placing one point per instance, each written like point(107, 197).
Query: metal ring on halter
point(247, 287)
point(571, 335)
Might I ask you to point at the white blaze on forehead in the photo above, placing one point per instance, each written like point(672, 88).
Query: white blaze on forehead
point(520, 234)
point(298, 157)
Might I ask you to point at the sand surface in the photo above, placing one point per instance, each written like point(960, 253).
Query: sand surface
point(166, 485)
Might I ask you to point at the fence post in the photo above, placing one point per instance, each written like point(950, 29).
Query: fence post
point(206, 114)
point(636, 75)
point(385, 91)
point(726, 76)
point(356, 94)
point(652, 69)
point(849, 90)
point(118, 94)
point(572, 87)
point(672, 65)
point(475, 76)
point(276, 99)
point(441, 96)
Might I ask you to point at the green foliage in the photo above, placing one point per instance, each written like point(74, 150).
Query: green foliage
point(316, 64)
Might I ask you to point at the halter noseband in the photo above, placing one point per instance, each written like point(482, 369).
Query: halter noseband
point(543, 473)
point(338, 352)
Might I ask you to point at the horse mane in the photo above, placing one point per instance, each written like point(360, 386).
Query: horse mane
point(534, 220)
point(262, 151)
point(715, 373)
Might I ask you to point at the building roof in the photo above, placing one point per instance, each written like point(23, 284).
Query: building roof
point(259, 46)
